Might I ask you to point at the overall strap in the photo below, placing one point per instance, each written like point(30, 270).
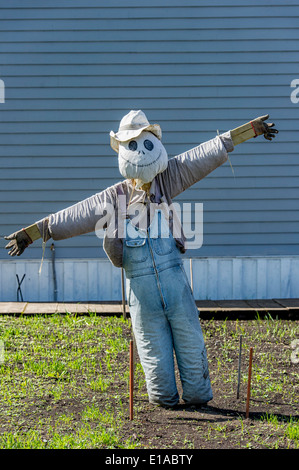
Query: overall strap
point(121, 201)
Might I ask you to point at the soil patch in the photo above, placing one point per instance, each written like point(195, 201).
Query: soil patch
point(66, 379)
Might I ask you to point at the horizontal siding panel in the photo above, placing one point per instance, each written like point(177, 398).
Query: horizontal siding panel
point(236, 204)
point(209, 239)
point(247, 228)
point(118, 4)
point(174, 143)
point(145, 23)
point(88, 145)
point(222, 81)
point(88, 184)
point(263, 227)
point(239, 160)
point(273, 215)
point(63, 251)
point(246, 183)
point(150, 103)
point(218, 205)
point(197, 45)
point(89, 140)
point(52, 173)
point(170, 128)
point(233, 217)
point(147, 35)
point(198, 68)
point(234, 116)
point(242, 238)
point(215, 227)
point(144, 9)
point(208, 194)
point(173, 92)
point(110, 173)
point(145, 58)
point(92, 186)
point(258, 150)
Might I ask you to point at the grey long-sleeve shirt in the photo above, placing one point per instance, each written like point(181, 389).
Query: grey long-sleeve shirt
point(101, 209)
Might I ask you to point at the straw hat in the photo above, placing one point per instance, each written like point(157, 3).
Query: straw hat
point(131, 125)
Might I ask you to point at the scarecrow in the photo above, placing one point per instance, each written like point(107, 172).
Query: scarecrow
point(149, 247)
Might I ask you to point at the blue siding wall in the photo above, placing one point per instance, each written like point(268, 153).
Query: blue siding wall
point(72, 69)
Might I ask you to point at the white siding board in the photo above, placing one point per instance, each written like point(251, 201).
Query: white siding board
point(273, 278)
point(261, 280)
point(225, 272)
point(201, 279)
point(68, 281)
point(105, 281)
point(294, 278)
point(285, 278)
point(46, 284)
point(237, 281)
point(80, 282)
point(59, 268)
point(92, 281)
point(8, 281)
point(212, 279)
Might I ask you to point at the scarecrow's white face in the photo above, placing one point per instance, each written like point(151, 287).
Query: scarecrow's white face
point(142, 157)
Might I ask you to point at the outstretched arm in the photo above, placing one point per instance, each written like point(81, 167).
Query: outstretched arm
point(190, 167)
point(84, 217)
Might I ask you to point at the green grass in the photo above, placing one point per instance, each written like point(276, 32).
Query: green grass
point(54, 360)
point(265, 378)
point(65, 384)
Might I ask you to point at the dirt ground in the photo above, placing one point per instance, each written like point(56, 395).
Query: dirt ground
point(222, 423)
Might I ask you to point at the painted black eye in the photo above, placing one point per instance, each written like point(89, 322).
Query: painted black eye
point(133, 145)
point(148, 144)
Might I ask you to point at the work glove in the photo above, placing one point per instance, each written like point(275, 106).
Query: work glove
point(19, 242)
point(261, 127)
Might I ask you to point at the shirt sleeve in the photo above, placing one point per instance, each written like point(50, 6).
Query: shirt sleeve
point(89, 215)
point(190, 167)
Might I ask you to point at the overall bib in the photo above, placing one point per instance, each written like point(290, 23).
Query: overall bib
point(164, 315)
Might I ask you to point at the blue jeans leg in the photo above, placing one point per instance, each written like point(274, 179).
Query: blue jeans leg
point(188, 338)
point(192, 363)
point(154, 341)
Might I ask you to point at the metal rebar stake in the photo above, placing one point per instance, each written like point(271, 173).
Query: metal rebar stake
point(239, 368)
point(249, 382)
point(131, 378)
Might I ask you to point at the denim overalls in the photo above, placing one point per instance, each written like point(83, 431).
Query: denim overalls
point(164, 315)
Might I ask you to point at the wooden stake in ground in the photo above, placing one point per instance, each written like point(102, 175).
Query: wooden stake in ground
point(131, 378)
point(249, 381)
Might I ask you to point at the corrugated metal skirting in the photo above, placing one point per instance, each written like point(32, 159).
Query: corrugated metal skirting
point(97, 280)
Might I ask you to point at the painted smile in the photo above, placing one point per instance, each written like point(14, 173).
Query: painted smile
point(142, 166)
